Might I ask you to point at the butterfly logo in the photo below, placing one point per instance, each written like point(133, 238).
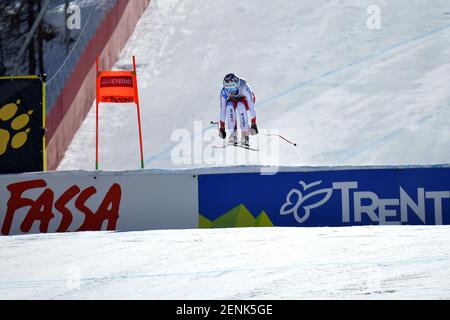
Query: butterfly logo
point(300, 204)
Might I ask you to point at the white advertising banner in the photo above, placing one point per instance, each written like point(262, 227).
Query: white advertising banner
point(94, 201)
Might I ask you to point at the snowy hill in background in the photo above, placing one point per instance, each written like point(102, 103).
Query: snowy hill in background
point(348, 95)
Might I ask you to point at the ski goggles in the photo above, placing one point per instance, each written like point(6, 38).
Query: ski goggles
point(232, 90)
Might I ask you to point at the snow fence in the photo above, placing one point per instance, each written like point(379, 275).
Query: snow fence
point(224, 197)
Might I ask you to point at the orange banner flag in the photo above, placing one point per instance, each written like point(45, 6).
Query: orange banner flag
point(117, 87)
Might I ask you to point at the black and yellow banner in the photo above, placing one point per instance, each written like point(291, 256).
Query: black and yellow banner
point(22, 123)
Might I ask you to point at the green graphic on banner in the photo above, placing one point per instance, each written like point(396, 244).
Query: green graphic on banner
point(238, 217)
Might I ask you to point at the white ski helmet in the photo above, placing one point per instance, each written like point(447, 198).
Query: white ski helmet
point(231, 82)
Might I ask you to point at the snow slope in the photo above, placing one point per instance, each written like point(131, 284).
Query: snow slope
point(348, 95)
point(294, 263)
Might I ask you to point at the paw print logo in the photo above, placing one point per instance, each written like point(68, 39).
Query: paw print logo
point(300, 204)
point(17, 136)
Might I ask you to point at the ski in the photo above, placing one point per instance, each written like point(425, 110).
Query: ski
point(237, 146)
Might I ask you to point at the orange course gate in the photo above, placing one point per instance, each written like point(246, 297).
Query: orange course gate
point(117, 87)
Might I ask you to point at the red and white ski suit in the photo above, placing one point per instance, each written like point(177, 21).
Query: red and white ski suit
point(239, 105)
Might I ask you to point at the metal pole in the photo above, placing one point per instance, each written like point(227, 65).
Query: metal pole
point(30, 36)
point(96, 112)
point(2, 62)
point(138, 112)
point(66, 35)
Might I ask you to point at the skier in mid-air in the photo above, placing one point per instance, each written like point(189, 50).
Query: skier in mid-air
point(237, 98)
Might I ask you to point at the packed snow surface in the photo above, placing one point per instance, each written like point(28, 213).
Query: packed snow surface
point(267, 263)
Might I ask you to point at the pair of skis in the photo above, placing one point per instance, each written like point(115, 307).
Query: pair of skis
point(236, 146)
point(249, 148)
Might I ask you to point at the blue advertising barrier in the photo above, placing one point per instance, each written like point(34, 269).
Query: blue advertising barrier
point(348, 197)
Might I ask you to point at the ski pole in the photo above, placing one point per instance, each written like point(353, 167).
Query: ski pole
point(267, 134)
point(279, 136)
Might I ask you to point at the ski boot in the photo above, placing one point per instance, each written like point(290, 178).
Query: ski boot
point(233, 140)
point(245, 141)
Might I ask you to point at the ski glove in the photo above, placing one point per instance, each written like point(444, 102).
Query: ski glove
point(222, 133)
point(254, 129)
